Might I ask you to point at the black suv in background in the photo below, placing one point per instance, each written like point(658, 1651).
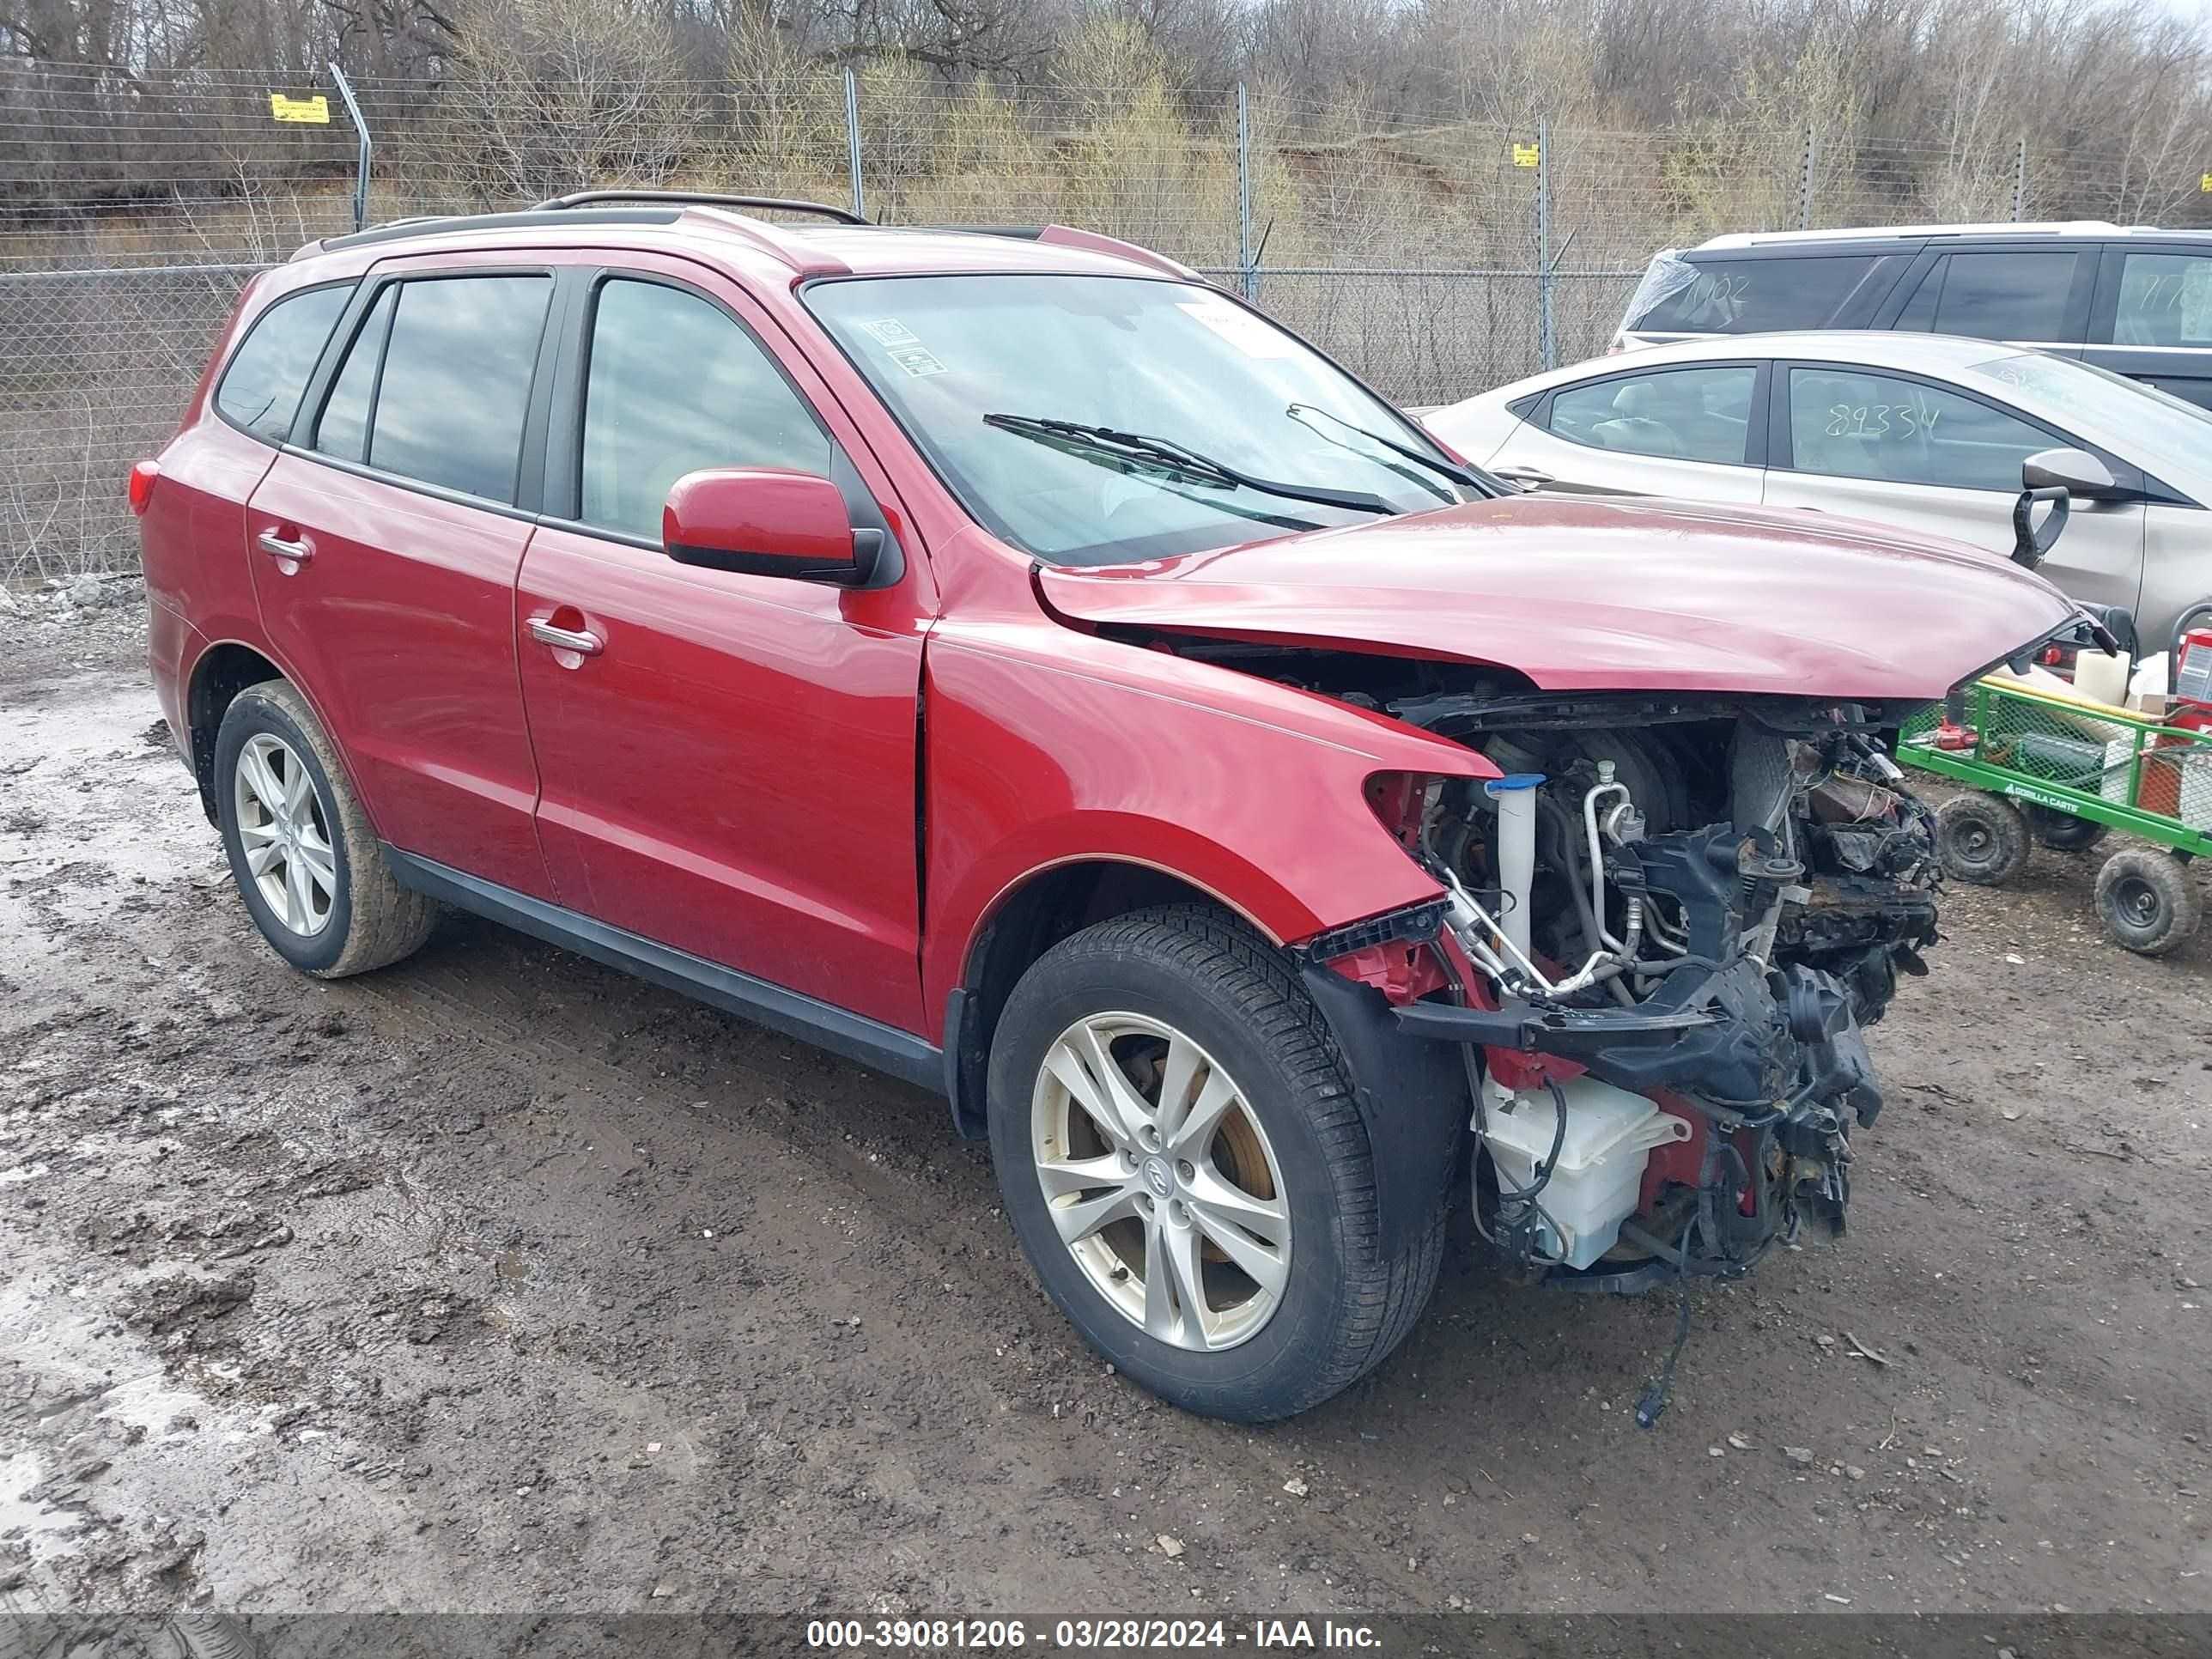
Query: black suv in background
point(2135, 300)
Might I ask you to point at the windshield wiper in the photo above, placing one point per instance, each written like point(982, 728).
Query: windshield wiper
point(1457, 474)
point(1138, 452)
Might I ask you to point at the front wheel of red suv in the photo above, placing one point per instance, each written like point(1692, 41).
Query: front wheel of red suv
point(1184, 1164)
point(301, 848)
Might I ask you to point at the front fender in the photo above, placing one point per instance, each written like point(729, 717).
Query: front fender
point(1045, 746)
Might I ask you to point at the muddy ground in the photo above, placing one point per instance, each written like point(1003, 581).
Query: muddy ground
point(498, 1281)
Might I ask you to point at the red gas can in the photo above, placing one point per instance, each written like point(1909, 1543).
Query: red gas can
point(2176, 783)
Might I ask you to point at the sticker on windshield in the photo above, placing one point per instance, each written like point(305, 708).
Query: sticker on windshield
point(1246, 332)
point(916, 360)
point(901, 346)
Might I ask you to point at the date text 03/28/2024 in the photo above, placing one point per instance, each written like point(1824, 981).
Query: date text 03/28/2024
point(1078, 1635)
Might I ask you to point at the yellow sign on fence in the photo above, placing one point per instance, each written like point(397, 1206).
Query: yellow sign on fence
point(1527, 156)
point(2206, 186)
point(315, 110)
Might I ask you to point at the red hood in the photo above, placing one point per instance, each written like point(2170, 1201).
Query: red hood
point(1622, 595)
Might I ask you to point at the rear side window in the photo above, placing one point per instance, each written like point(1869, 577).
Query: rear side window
point(1748, 296)
point(343, 427)
point(674, 386)
point(261, 390)
point(440, 381)
point(1848, 423)
point(1687, 414)
point(1995, 297)
point(2166, 299)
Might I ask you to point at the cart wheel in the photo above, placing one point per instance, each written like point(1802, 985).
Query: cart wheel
point(2062, 831)
point(2148, 900)
point(1981, 839)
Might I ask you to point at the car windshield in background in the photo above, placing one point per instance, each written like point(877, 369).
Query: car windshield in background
point(1168, 362)
point(2171, 438)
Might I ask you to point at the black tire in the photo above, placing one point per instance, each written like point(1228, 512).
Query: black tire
point(2063, 832)
point(2148, 900)
point(1982, 839)
point(1346, 1303)
point(373, 921)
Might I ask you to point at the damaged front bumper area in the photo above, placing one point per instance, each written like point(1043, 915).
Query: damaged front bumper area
point(1767, 1072)
point(1659, 945)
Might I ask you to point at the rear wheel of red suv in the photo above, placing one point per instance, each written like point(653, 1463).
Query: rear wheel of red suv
point(301, 848)
point(1181, 1157)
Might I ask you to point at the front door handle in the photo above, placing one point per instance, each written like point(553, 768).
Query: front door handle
point(1528, 478)
point(291, 551)
point(581, 640)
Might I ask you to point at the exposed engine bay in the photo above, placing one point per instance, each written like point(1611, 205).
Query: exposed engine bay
point(1681, 929)
point(1665, 929)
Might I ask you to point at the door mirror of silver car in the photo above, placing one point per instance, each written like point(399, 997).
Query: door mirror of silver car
point(2076, 472)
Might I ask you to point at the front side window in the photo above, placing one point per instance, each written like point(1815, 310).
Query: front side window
point(447, 405)
point(261, 389)
point(2166, 299)
point(1684, 414)
point(1160, 361)
point(1848, 423)
point(676, 385)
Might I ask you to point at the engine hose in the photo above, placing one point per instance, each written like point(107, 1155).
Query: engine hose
point(1556, 818)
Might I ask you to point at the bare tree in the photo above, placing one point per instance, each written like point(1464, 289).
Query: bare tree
point(562, 94)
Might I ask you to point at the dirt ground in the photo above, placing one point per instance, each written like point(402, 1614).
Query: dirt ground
point(498, 1281)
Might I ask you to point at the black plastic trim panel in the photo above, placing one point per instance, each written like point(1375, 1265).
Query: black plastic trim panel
point(885, 1047)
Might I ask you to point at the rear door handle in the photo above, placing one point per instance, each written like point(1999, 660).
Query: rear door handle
point(1528, 478)
point(278, 547)
point(581, 640)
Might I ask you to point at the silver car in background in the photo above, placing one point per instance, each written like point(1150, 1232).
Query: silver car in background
point(1930, 432)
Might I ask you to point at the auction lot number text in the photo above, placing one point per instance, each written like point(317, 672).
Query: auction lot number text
point(1085, 1635)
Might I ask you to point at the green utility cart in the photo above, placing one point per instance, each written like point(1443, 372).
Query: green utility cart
point(2049, 768)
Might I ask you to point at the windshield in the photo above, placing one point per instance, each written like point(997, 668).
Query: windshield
point(1169, 361)
point(2171, 438)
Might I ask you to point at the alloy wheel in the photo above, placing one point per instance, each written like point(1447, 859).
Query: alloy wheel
point(284, 835)
point(1161, 1181)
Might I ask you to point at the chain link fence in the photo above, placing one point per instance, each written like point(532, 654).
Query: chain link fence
point(1436, 260)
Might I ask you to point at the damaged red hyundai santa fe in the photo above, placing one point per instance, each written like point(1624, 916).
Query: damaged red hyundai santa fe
point(1011, 662)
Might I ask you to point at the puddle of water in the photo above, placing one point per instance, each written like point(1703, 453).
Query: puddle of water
point(142, 800)
point(149, 1402)
point(18, 1475)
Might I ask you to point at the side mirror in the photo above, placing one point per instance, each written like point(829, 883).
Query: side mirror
point(764, 521)
point(2031, 540)
point(2076, 472)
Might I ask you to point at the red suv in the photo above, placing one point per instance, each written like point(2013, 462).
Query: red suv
point(1019, 666)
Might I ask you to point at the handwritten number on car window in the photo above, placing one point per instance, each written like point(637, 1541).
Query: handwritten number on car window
point(1915, 419)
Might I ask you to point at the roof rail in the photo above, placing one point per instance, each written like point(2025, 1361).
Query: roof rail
point(701, 198)
point(1069, 236)
point(432, 224)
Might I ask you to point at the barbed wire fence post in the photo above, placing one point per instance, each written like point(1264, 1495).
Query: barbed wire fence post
point(364, 154)
point(852, 142)
point(1547, 324)
point(1806, 188)
point(1246, 257)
